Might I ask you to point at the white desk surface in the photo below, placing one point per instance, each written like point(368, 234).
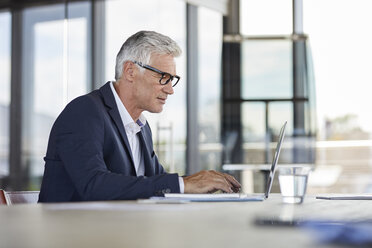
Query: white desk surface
point(132, 224)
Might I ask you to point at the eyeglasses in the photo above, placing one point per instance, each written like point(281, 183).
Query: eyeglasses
point(165, 76)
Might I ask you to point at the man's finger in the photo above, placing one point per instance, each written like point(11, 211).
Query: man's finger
point(232, 180)
point(222, 184)
point(234, 183)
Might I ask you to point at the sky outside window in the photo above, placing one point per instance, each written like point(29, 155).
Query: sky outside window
point(265, 17)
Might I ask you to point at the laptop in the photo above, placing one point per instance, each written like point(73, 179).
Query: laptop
point(233, 197)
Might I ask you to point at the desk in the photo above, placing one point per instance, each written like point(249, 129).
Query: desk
point(131, 224)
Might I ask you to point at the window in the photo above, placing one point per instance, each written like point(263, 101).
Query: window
point(267, 69)
point(276, 84)
point(124, 18)
point(265, 17)
point(56, 70)
point(5, 34)
point(55, 53)
point(342, 55)
point(210, 49)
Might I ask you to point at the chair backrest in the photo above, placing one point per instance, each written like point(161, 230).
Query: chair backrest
point(19, 197)
point(2, 197)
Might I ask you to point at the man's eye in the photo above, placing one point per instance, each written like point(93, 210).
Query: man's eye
point(165, 78)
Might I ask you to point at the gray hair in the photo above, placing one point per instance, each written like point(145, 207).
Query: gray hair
point(140, 46)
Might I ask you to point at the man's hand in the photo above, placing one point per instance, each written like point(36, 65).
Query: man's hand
point(210, 181)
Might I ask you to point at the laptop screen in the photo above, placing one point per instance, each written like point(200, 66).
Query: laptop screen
point(275, 160)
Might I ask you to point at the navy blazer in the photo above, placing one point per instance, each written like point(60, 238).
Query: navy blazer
point(89, 157)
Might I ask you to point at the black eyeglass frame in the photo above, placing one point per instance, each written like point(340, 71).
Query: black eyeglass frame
point(171, 77)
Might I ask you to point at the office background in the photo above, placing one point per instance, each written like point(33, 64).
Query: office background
point(247, 66)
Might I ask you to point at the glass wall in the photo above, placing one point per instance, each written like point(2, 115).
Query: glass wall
point(342, 63)
point(56, 66)
point(267, 92)
point(55, 53)
point(5, 34)
point(276, 85)
point(124, 18)
point(210, 52)
point(266, 78)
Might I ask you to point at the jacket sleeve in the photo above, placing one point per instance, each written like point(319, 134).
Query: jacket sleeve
point(80, 133)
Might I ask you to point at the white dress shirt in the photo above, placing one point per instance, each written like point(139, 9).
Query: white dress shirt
point(131, 129)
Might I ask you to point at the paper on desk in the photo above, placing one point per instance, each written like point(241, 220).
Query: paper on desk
point(345, 197)
point(345, 233)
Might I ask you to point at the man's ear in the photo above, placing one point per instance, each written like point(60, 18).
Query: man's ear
point(129, 71)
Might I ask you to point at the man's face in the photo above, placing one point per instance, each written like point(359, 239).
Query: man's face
point(150, 95)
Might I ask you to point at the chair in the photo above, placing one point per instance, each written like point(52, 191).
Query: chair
point(18, 197)
point(2, 197)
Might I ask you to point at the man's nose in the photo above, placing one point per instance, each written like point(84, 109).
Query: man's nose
point(168, 88)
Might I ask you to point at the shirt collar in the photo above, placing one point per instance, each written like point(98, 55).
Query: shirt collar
point(131, 127)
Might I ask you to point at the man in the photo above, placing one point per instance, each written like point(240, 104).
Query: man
point(100, 146)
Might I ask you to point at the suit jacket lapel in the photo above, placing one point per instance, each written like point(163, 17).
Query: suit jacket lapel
point(149, 168)
point(113, 111)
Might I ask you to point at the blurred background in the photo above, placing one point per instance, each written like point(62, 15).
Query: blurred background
point(247, 66)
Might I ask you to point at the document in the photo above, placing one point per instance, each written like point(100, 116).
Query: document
point(345, 197)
